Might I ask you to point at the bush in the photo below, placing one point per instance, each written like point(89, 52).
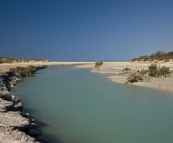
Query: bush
point(160, 56)
point(21, 71)
point(164, 71)
point(126, 69)
point(134, 77)
point(153, 70)
point(97, 64)
point(31, 69)
point(10, 60)
point(25, 71)
point(1, 61)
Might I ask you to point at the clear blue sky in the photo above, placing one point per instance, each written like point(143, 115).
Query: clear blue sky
point(85, 30)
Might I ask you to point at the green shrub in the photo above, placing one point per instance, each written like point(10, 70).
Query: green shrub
point(126, 69)
point(160, 56)
point(25, 71)
point(134, 77)
point(10, 60)
point(153, 70)
point(97, 64)
point(31, 69)
point(164, 71)
point(21, 71)
point(1, 61)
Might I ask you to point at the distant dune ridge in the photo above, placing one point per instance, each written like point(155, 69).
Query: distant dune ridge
point(20, 60)
point(159, 56)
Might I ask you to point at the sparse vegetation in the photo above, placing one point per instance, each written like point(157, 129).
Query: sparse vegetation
point(134, 77)
point(1, 61)
point(126, 71)
point(154, 71)
point(97, 64)
point(144, 75)
point(158, 56)
point(25, 71)
point(164, 71)
point(31, 69)
point(20, 60)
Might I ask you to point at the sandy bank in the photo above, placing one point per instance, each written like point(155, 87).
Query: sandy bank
point(6, 67)
point(161, 83)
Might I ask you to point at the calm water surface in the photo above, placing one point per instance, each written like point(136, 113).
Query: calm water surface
point(77, 106)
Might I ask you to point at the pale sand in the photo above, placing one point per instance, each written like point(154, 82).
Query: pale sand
point(88, 65)
point(165, 84)
point(6, 67)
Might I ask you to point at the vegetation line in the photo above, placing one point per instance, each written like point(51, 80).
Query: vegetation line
point(159, 56)
point(20, 60)
point(145, 75)
point(27, 71)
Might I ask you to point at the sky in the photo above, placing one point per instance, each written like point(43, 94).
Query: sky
point(85, 30)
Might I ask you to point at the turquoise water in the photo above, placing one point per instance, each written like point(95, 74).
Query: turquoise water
point(77, 106)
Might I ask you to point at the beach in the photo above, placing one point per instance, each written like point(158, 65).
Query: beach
point(161, 83)
point(7, 66)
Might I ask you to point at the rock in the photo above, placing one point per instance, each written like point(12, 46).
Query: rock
point(15, 126)
point(41, 139)
point(13, 119)
point(34, 132)
point(14, 98)
point(9, 102)
point(31, 119)
point(5, 95)
point(18, 107)
point(33, 126)
point(10, 135)
point(5, 105)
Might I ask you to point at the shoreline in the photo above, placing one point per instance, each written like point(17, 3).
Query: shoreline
point(18, 126)
point(161, 83)
point(15, 125)
point(7, 66)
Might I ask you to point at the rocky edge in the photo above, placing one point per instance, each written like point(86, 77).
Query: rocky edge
point(15, 126)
